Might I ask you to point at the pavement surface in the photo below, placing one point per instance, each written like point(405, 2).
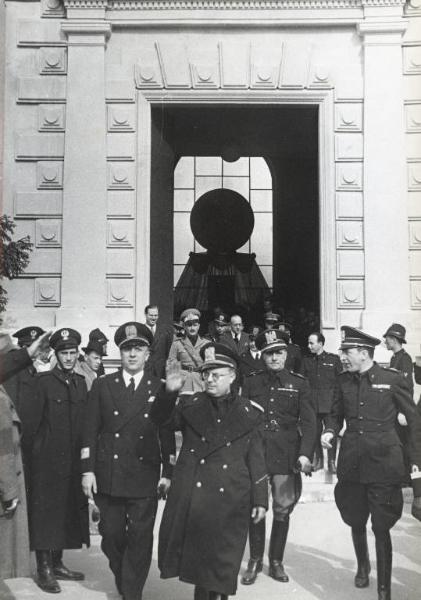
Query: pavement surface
point(319, 560)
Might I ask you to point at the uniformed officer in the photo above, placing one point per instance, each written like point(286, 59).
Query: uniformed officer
point(97, 336)
point(58, 511)
point(186, 350)
point(121, 460)
point(220, 325)
point(289, 431)
point(220, 479)
point(370, 463)
point(271, 320)
point(322, 369)
point(294, 354)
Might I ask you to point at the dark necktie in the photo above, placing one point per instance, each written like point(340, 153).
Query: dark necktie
point(131, 387)
point(237, 339)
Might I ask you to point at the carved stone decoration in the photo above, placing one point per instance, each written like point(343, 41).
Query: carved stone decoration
point(47, 291)
point(121, 118)
point(33, 146)
point(52, 61)
point(51, 117)
point(350, 264)
point(412, 60)
point(320, 77)
point(52, 9)
point(120, 292)
point(414, 177)
point(413, 118)
point(33, 90)
point(265, 66)
point(120, 233)
point(349, 147)
point(349, 176)
point(48, 233)
point(416, 294)
point(349, 116)
point(295, 66)
point(235, 61)
point(351, 294)
point(203, 5)
point(49, 175)
point(349, 234)
point(204, 76)
point(121, 176)
point(38, 205)
point(174, 64)
point(415, 235)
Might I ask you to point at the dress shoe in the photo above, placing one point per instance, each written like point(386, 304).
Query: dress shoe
point(61, 571)
point(276, 571)
point(254, 567)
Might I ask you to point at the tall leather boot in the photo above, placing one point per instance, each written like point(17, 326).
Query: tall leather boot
point(359, 538)
point(46, 578)
point(257, 538)
point(384, 564)
point(278, 540)
point(331, 458)
point(200, 593)
point(62, 572)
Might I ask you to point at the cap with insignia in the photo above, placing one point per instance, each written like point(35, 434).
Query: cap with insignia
point(271, 317)
point(284, 326)
point(27, 335)
point(271, 339)
point(354, 338)
point(190, 314)
point(133, 334)
point(221, 319)
point(397, 331)
point(64, 339)
point(178, 326)
point(96, 335)
point(217, 355)
point(94, 346)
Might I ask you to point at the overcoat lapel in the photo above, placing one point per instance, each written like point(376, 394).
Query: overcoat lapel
point(128, 407)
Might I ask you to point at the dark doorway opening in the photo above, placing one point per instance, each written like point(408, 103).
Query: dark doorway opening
point(286, 136)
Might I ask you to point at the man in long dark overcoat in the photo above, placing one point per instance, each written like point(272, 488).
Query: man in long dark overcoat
point(121, 457)
point(289, 433)
point(371, 464)
point(58, 509)
point(219, 480)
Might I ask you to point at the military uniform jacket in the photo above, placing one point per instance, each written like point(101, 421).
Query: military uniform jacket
point(57, 506)
point(369, 403)
point(401, 361)
point(249, 365)
point(289, 424)
point(220, 474)
point(121, 444)
point(294, 358)
point(189, 357)
point(322, 371)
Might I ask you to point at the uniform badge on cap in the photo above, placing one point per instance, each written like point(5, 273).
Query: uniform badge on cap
point(130, 331)
point(270, 336)
point(33, 334)
point(64, 334)
point(210, 353)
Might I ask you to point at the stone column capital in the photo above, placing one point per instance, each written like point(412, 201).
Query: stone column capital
point(382, 32)
point(87, 32)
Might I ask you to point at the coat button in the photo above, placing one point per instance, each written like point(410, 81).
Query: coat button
point(116, 412)
point(140, 457)
point(272, 400)
point(146, 415)
point(361, 403)
point(225, 466)
point(221, 490)
point(149, 383)
point(191, 449)
point(115, 456)
point(218, 420)
point(361, 432)
point(199, 484)
point(117, 435)
point(228, 444)
point(202, 461)
point(271, 412)
point(140, 437)
point(203, 438)
point(272, 388)
point(361, 417)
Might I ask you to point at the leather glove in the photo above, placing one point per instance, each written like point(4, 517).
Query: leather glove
point(304, 465)
point(9, 507)
point(164, 485)
point(326, 439)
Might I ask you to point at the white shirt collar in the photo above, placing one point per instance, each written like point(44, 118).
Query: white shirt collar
point(255, 353)
point(127, 376)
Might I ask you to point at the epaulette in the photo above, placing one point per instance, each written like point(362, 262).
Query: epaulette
point(297, 375)
point(256, 405)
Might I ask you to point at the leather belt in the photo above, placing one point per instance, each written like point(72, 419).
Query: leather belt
point(358, 427)
point(188, 368)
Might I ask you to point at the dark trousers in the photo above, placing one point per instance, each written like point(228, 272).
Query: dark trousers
point(126, 527)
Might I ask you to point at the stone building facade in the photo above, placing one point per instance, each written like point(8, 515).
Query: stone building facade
point(88, 175)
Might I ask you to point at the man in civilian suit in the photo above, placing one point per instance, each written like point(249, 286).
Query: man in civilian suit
point(163, 336)
point(121, 459)
point(235, 338)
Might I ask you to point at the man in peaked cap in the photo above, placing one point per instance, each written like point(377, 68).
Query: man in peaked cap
point(219, 327)
point(122, 454)
point(58, 510)
point(98, 337)
point(371, 464)
point(289, 434)
point(271, 320)
point(186, 350)
point(220, 478)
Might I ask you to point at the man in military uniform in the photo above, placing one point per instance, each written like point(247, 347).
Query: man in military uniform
point(186, 350)
point(271, 320)
point(294, 354)
point(322, 369)
point(58, 511)
point(370, 463)
point(289, 431)
point(220, 479)
point(219, 328)
point(121, 460)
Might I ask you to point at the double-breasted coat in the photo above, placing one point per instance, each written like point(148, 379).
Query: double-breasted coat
point(322, 371)
point(371, 451)
point(289, 424)
point(58, 509)
point(220, 474)
point(121, 443)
